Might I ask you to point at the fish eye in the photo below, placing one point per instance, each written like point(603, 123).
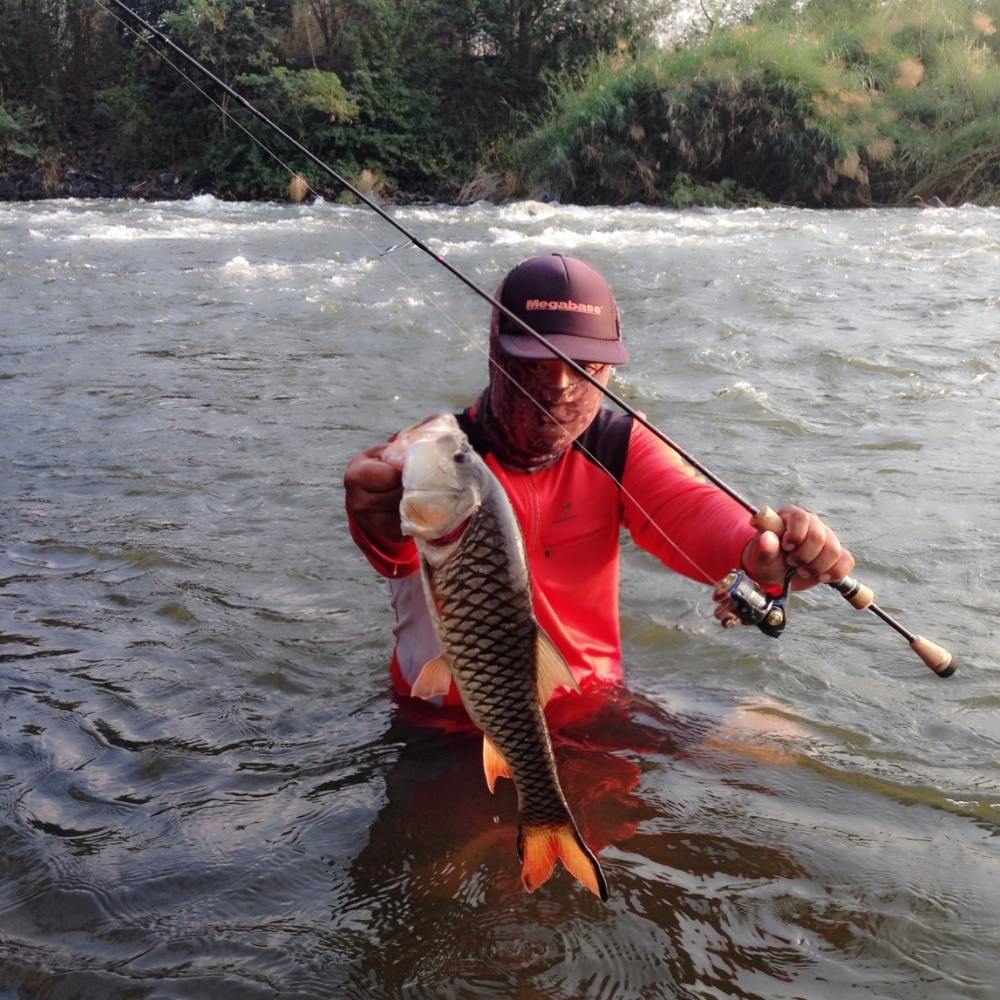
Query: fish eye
point(462, 457)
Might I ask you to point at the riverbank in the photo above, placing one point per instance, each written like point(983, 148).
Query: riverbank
point(35, 185)
point(101, 177)
point(168, 186)
point(845, 104)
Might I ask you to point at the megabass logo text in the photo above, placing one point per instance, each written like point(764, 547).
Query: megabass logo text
point(563, 305)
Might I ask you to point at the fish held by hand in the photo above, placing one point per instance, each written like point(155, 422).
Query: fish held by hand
point(478, 589)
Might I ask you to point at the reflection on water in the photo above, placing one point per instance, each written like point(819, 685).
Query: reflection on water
point(440, 855)
point(205, 789)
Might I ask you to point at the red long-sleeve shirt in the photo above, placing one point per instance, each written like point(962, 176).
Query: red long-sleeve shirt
point(571, 515)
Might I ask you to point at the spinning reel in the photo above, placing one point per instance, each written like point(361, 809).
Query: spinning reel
point(752, 605)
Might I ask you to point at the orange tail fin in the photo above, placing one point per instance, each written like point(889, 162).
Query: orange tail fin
point(539, 847)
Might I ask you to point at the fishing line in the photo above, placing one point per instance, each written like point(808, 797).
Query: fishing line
point(381, 254)
point(857, 594)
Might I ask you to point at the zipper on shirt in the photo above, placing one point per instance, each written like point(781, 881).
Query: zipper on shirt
point(536, 514)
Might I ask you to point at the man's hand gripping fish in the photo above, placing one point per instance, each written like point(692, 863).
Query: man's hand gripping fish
point(505, 667)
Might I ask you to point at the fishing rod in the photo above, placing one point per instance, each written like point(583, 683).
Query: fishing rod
point(753, 604)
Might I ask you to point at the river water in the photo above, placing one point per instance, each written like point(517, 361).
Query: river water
point(205, 787)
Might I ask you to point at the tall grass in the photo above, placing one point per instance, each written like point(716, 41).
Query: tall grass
point(844, 102)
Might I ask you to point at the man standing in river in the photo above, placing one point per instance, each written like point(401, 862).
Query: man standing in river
point(542, 431)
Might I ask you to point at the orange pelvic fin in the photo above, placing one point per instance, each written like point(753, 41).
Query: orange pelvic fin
point(552, 670)
point(539, 847)
point(494, 763)
point(434, 679)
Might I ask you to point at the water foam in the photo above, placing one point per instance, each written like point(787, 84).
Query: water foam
point(238, 267)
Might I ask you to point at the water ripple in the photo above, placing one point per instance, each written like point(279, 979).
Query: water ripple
point(205, 789)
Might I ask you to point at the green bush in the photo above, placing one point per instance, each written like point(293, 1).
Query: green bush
point(749, 106)
point(19, 129)
point(129, 110)
point(842, 102)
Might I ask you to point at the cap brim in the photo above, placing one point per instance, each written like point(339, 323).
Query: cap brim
point(608, 352)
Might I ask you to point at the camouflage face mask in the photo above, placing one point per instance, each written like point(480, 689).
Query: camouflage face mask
point(527, 420)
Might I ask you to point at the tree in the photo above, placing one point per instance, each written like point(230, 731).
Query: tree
point(437, 81)
point(416, 90)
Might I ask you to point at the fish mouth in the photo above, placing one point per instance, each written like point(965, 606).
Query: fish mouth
point(428, 514)
point(451, 536)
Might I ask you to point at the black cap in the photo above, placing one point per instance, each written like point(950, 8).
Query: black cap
point(569, 303)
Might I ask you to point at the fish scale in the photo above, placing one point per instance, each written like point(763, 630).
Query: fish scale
point(489, 632)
